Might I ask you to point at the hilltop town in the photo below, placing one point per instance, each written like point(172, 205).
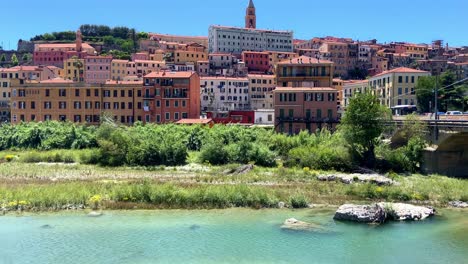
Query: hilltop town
point(234, 75)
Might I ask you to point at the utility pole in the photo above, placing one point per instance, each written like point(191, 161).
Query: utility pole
point(436, 129)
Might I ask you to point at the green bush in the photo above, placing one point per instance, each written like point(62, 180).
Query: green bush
point(298, 201)
point(214, 153)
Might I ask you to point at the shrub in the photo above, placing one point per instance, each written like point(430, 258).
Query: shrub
point(9, 158)
point(298, 201)
point(90, 156)
point(214, 153)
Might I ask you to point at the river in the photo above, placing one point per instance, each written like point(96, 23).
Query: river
point(227, 236)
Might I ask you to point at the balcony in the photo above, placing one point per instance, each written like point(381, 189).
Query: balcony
point(148, 96)
point(175, 96)
point(167, 83)
point(288, 119)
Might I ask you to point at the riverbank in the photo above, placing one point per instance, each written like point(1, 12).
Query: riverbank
point(59, 186)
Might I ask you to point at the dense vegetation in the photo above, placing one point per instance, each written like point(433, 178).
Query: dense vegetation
point(451, 97)
point(153, 145)
point(118, 41)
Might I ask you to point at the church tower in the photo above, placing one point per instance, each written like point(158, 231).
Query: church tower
point(250, 17)
point(79, 41)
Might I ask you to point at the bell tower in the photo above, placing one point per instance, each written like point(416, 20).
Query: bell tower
point(250, 16)
point(79, 41)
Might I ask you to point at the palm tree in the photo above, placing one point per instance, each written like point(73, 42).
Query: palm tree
point(77, 63)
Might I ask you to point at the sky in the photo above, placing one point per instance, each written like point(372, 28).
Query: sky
point(416, 21)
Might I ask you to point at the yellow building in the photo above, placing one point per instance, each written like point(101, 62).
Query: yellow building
point(192, 52)
point(350, 88)
point(73, 69)
point(158, 55)
point(261, 91)
point(277, 56)
point(397, 86)
point(118, 69)
point(418, 52)
point(304, 72)
point(338, 85)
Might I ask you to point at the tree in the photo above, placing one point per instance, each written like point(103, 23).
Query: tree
point(363, 124)
point(26, 57)
point(425, 93)
point(3, 58)
point(14, 60)
point(143, 35)
point(48, 37)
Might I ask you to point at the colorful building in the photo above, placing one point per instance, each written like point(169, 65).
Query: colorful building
point(304, 108)
point(119, 69)
point(397, 86)
point(73, 69)
point(257, 61)
point(261, 91)
point(351, 88)
point(171, 96)
point(98, 69)
point(304, 72)
point(65, 100)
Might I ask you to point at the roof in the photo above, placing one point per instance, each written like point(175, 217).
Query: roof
point(304, 89)
point(63, 45)
point(251, 4)
point(168, 74)
point(304, 60)
point(401, 70)
point(205, 78)
point(261, 75)
point(57, 80)
point(194, 121)
point(139, 82)
point(150, 61)
point(251, 29)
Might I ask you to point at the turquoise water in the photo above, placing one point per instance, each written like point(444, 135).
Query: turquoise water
point(227, 236)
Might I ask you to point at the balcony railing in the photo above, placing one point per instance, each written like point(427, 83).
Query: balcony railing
point(307, 119)
point(175, 96)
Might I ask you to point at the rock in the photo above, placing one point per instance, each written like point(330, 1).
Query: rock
point(294, 224)
point(405, 212)
point(95, 214)
point(244, 169)
point(351, 178)
point(195, 227)
point(458, 204)
point(46, 227)
point(281, 205)
point(361, 213)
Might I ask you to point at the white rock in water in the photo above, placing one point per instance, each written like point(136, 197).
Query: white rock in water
point(361, 213)
point(403, 212)
point(95, 214)
point(294, 224)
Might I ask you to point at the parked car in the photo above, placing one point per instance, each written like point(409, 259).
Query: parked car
point(454, 113)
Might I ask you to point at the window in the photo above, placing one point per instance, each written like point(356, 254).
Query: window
point(116, 105)
point(176, 116)
point(400, 79)
point(400, 91)
point(319, 113)
point(115, 93)
point(330, 113)
point(407, 77)
point(168, 116)
point(308, 114)
point(77, 105)
point(184, 115)
point(158, 118)
point(77, 118)
point(291, 112)
point(47, 105)
point(33, 105)
point(139, 105)
point(122, 93)
point(47, 92)
point(77, 92)
point(176, 104)
point(281, 113)
point(62, 92)
point(96, 92)
point(62, 105)
point(122, 105)
point(158, 103)
point(184, 103)
point(97, 105)
point(412, 79)
point(167, 103)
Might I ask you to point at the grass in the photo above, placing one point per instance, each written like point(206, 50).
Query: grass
point(50, 186)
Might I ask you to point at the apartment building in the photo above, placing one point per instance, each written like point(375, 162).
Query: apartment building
point(144, 67)
point(119, 69)
point(192, 52)
point(344, 55)
point(276, 56)
point(256, 61)
point(224, 93)
point(397, 86)
point(351, 87)
point(304, 108)
point(9, 76)
point(261, 91)
point(98, 69)
point(222, 39)
point(171, 96)
point(73, 69)
point(65, 100)
point(304, 72)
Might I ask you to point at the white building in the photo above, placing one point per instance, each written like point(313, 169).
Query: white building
point(235, 40)
point(261, 91)
point(365, 53)
point(224, 93)
point(264, 117)
point(350, 88)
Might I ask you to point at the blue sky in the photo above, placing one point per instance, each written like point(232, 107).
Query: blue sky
point(397, 20)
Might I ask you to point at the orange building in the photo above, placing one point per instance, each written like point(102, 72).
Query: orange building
point(171, 96)
point(65, 100)
point(304, 72)
point(305, 108)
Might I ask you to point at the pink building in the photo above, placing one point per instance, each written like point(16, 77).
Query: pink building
point(140, 56)
point(98, 69)
point(256, 61)
point(56, 54)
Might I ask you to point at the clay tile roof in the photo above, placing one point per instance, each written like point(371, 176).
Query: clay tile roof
point(168, 74)
point(194, 121)
point(304, 60)
point(401, 70)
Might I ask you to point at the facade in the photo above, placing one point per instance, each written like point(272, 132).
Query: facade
point(235, 40)
point(304, 108)
point(203, 68)
point(98, 69)
point(192, 52)
point(275, 57)
point(265, 117)
point(144, 67)
point(179, 39)
point(350, 88)
point(261, 91)
point(118, 69)
point(304, 72)
point(56, 54)
point(397, 86)
point(224, 94)
point(344, 55)
point(64, 100)
point(73, 69)
point(171, 96)
point(338, 85)
point(257, 61)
